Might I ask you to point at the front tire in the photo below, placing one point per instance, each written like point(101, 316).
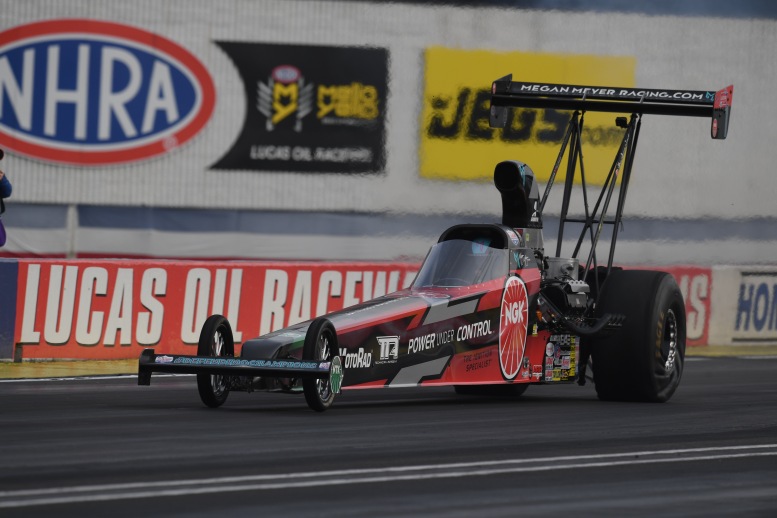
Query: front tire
point(644, 359)
point(320, 344)
point(215, 340)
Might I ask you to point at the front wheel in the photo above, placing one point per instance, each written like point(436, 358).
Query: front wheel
point(643, 360)
point(320, 344)
point(215, 340)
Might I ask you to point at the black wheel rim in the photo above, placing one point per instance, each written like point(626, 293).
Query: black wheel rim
point(323, 352)
point(217, 381)
point(670, 355)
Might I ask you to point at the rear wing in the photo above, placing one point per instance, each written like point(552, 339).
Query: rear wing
point(506, 93)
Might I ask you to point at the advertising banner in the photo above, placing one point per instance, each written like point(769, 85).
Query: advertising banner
point(113, 310)
point(96, 93)
point(310, 108)
point(456, 140)
point(755, 318)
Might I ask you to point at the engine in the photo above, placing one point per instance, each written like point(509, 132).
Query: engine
point(563, 299)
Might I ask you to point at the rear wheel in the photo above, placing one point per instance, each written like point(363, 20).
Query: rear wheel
point(320, 344)
point(215, 340)
point(644, 359)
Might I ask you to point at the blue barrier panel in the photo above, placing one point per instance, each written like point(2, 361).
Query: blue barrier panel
point(9, 274)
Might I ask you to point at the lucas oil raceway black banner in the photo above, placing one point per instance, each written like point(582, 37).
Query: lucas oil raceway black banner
point(309, 108)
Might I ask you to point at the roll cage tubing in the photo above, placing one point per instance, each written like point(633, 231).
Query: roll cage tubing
point(506, 93)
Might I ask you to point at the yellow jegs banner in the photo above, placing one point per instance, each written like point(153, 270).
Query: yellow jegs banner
point(456, 140)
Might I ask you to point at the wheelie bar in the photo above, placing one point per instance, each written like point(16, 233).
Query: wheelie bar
point(233, 366)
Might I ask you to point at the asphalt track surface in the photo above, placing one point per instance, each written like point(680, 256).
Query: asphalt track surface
point(107, 447)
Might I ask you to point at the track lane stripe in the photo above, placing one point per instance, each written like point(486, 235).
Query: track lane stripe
point(64, 495)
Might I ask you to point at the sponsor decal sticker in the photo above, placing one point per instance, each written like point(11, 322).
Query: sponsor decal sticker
point(512, 327)
point(389, 349)
point(163, 359)
point(94, 93)
point(477, 361)
point(421, 343)
point(336, 375)
point(561, 351)
point(357, 359)
point(474, 331)
point(513, 236)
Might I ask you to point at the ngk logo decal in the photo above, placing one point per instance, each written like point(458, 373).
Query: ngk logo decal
point(90, 92)
point(514, 312)
point(512, 327)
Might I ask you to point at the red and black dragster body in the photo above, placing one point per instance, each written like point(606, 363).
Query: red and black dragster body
point(465, 320)
point(490, 311)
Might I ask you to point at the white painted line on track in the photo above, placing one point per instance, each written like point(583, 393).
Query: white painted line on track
point(155, 489)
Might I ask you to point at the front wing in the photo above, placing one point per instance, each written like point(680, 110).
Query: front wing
point(150, 362)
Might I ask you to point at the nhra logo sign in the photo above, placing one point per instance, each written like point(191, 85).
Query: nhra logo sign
point(90, 92)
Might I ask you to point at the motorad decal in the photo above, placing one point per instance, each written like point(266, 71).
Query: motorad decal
point(310, 108)
point(359, 359)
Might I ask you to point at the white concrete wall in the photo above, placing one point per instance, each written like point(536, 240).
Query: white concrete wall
point(679, 170)
point(743, 306)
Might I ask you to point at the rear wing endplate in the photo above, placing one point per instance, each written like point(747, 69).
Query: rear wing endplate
point(506, 93)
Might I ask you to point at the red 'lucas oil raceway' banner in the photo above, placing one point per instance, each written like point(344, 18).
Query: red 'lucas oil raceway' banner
point(103, 310)
point(115, 309)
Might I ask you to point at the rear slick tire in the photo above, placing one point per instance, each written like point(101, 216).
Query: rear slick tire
point(320, 344)
point(644, 359)
point(215, 340)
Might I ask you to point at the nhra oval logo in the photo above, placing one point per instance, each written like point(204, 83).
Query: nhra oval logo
point(90, 92)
